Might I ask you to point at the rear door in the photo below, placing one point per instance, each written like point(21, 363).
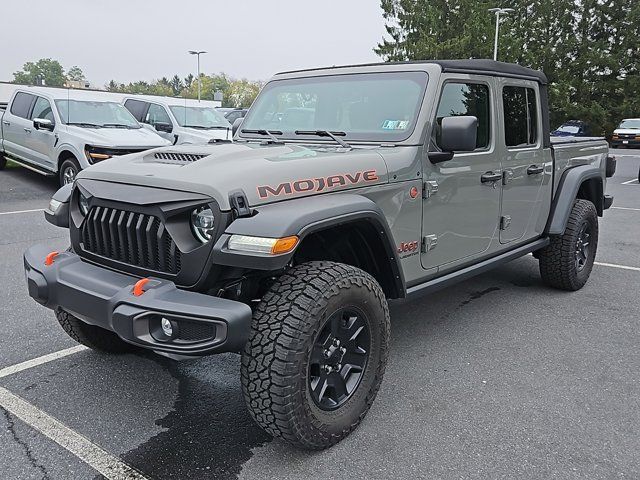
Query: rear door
point(42, 142)
point(17, 127)
point(523, 161)
point(460, 215)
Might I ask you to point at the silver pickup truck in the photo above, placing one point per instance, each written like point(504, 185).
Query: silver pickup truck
point(59, 131)
point(344, 187)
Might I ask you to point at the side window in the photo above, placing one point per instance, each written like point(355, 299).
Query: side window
point(520, 116)
point(465, 99)
point(157, 114)
point(22, 104)
point(137, 108)
point(42, 109)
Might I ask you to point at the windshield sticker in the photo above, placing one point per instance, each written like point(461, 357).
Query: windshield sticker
point(395, 124)
point(317, 184)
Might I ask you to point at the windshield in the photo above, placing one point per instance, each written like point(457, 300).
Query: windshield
point(367, 106)
point(95, 114)
point(199, 117)
point(568, 128)
point(633, 124)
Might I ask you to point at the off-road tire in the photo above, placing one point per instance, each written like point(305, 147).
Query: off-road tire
point(70, 162)
point(275, 360)
point(558, 260)
point(95, 338)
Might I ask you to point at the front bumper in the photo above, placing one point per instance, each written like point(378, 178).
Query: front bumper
point(625, 142)
point(203, 324)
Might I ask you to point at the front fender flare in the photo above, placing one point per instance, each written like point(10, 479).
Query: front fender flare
point(302, 217)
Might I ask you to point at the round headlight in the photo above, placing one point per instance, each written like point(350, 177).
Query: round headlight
point(83, 203)
point(203, 223)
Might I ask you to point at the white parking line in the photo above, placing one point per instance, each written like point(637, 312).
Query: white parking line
point(22, 211)
point(630, 182)
point(90, 453)
point(627, 208)
point(614, 265)
point(40, 360)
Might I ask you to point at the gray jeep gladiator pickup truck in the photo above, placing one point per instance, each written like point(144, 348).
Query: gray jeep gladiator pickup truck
point(345, 187)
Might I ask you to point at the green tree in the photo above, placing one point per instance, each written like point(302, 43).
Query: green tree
point(589, 49)
point(45, 71)
point(75, 73)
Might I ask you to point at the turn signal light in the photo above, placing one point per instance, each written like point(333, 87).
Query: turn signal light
point(284, 245)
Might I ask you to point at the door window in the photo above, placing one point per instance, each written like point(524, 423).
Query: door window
point(520, 116)
point(42, 109)
point(137, 108)
point(157, 115)
point(22, 104)
point(459, 99)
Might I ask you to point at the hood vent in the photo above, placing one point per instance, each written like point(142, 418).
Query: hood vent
point(174, 157)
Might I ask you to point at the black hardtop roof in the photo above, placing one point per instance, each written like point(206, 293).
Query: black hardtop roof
point(477, 66)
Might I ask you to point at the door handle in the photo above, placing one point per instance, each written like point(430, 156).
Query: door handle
point(7, 123)
point(28, 130)
point(535, 169)
point(490, 177)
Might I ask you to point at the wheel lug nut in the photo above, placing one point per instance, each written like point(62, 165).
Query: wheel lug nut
point(327, 353)
point(343, 350)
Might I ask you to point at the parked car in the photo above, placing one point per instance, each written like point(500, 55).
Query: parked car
point(179, 120)
point(59, 132)
point(572, 128)
point(627, 134)
point(286, 244)
point(224, 110)
point(236, 113)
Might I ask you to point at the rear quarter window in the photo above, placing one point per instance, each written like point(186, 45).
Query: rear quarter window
point(21, 104)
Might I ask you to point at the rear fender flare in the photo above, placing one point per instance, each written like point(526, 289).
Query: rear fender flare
point(567, 193)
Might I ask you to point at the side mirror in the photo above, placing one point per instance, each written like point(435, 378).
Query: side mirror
point(43, 124)
point(163, 127)
point(457, 134)
point(236, 125)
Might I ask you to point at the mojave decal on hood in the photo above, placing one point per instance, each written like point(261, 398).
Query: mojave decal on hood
point(266, 173)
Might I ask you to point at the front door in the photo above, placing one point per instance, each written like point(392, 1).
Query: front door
point(461, 218)
point(42, 142)
point(523, 161)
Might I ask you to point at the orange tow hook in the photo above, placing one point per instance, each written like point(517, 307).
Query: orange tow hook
point(138, 288)
point(48, 260)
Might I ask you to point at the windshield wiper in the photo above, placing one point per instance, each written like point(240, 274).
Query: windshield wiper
point(325, 133)
point(84, 124)
point(271, 133)
point(117, 125)
point(218, 127)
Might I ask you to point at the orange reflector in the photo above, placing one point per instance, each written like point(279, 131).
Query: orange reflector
point(138, 288)
point(48, 260)
point(413, 192)
point(284, 245)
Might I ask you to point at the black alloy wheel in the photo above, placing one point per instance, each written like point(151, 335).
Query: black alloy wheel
point(339, 357)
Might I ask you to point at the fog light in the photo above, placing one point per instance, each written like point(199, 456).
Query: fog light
point(166, 326)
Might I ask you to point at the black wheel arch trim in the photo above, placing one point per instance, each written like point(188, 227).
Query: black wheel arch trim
point(303, 217)
point(568, 188)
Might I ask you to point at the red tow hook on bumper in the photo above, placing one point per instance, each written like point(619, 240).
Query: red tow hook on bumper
point(48, 260)
point(138, 288)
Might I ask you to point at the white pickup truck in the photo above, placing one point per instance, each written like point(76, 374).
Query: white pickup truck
point(60, 131)
point(179, 120)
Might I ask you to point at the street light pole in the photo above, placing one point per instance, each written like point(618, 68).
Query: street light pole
point(498, 12)
point(198, 53)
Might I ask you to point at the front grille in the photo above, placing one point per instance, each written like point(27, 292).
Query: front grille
point(132, 238)
point(178, 157)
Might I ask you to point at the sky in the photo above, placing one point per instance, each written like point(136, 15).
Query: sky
point(130, 40)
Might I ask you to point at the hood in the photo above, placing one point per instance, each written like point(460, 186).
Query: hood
point(193, 135)
point(118, 137)
point(626, 131)
point(266, 173)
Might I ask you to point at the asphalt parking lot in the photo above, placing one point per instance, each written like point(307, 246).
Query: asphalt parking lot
point(497, 377)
